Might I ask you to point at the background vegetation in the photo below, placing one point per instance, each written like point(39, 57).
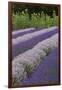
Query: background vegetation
point(25, 16)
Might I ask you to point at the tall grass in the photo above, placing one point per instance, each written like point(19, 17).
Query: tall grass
point(22, 20)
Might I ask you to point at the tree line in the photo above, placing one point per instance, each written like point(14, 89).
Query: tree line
point(37, 9)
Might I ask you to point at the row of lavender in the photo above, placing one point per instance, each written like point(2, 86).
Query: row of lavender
point(22, 43)
point(24, 63)
point(29, 35)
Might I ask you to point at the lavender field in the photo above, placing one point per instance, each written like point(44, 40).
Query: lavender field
point(35, 56)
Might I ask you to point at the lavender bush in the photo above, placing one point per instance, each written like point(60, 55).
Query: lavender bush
point(31, 58)
point(31, 35)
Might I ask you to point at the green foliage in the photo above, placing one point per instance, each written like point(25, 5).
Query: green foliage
point(14, 82)
point(47, 51)
point(21, 20)
point(28, 69)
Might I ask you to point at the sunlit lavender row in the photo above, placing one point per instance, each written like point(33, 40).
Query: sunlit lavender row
point(24, 64)
point(32, 35)
point(22, 30)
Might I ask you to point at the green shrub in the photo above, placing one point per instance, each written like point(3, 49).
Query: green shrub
point(28, 69)
point(22, 20)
